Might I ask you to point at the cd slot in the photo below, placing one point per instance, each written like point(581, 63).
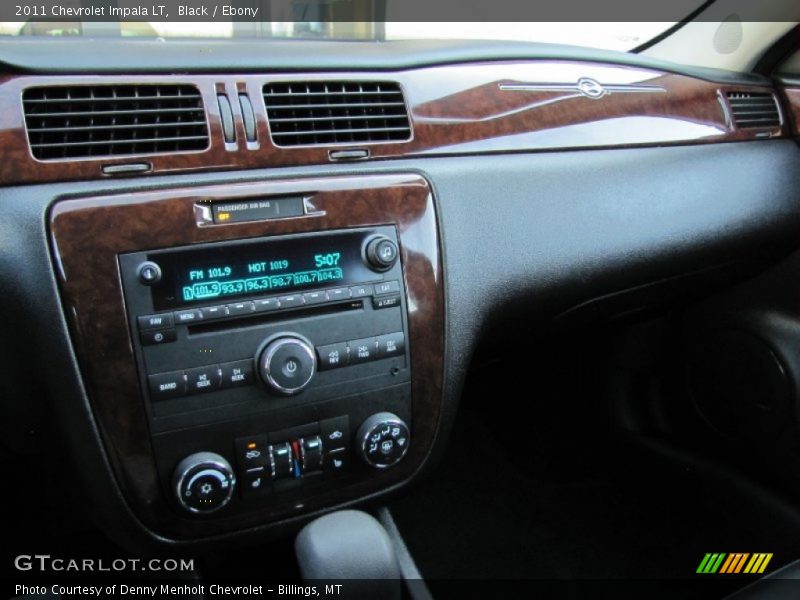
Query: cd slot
point(248, 320)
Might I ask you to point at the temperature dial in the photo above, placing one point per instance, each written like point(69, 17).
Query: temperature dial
point(287, 365)
point(383, 440)
point(203, 482)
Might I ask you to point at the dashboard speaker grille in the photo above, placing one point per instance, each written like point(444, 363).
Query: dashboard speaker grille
point(336, 112)
point(752, 110)
point(114, 120)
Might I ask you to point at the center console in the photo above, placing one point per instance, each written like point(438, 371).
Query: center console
point(258, 351)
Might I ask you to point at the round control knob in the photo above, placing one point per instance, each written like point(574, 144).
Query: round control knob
point(381, 253)
point(287, 365)
point(149, 273)
point(203, 482)
point(382, 440)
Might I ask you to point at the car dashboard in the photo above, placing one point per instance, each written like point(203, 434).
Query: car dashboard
point(250, 291)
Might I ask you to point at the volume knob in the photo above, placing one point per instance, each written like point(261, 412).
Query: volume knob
point(287, 365)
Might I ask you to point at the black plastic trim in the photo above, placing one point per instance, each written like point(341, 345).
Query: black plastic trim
point(778, 52)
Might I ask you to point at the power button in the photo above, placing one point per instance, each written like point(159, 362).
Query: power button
point(149, 273)
point(287, 365)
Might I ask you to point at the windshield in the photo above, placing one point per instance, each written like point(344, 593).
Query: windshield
point(623, 36)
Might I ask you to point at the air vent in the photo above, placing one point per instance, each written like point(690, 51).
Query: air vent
point(752, 111)
point(336, 112)
point(95, 121)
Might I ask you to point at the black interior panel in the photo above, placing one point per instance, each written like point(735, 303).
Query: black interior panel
point(552, 231)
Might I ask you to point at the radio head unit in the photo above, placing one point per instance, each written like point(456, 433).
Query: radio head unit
point(239, 343)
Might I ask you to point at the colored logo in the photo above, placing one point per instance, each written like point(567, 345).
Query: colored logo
point(737, 562)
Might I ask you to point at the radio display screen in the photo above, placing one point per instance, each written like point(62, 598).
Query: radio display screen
point(231, 271)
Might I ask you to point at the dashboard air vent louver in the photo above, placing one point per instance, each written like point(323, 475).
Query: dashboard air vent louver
point(336, 112)
point(752, 110)
point(114, 120)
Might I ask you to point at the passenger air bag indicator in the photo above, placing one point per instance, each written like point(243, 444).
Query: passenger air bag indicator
point(256, 209)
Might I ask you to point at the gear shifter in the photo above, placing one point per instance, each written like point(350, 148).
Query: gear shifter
point(351, 545)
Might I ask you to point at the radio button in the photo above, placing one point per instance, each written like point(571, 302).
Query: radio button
point(203, 379)
point(154, 337)
point(333, 356)
point(167, 385)
point(360, 291)
point(387, 287)
point(241, 308)
point(315, 297)
point(235, 374)
point(188, 316)
point(267, 304)
point(391, 344)
point(337, 294)
point(291, 301)
point(386, 302)
point(162, 321)
point(215, 312)
point(363, 350)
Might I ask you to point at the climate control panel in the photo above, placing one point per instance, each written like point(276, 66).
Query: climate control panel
point(288, 460)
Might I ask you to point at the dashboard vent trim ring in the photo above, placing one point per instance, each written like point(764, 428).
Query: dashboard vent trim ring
point(96, 121)
point(313, 113)
point(751, 110)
